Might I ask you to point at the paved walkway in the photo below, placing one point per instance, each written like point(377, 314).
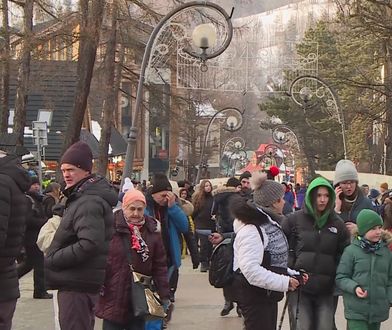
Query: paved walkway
point(197, 307)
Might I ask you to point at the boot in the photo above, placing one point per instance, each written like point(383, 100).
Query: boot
point(227, 308)
point(204, 267)
point(42, 295)
point(238, 309)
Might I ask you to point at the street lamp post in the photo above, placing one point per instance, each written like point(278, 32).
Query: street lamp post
point(238, 157)
point(283, 135)
point(233, 123)
point(308, 91)
point(204, 37)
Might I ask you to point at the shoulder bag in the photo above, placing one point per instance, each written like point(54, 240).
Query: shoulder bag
point(145, 302)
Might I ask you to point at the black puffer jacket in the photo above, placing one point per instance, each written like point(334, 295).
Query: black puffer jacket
point(35, 218)
point(14, 182)
point(76, 259)
point(315, 251)
point(221, 208)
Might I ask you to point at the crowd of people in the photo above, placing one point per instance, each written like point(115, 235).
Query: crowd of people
point(86, 241)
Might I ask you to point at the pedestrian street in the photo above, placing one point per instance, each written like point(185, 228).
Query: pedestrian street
point(197, 307)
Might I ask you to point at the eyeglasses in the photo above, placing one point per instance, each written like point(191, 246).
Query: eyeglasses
point(348, 183)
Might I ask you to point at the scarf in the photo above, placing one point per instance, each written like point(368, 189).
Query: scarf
point(137, 241)
point(368, 246)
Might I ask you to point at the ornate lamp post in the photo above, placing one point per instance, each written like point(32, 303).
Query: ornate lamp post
point(309, 91)
point(233, 122)
point(234, 149)
point(272, 156)
point(237, 155)
point(283, 135)
point(204, 37)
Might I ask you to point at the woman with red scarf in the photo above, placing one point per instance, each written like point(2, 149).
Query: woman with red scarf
point(148, 258)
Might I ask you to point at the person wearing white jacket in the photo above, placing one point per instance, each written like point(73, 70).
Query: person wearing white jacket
point(261, 255)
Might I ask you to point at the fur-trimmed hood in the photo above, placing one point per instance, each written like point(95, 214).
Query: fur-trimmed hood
point(186, 206)
point(247, 212)
point(386, 236)
point(224, 189)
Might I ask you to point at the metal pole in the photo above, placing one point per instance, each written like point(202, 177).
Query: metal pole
point(133, 132)
point(203, 148)
point(39, 161)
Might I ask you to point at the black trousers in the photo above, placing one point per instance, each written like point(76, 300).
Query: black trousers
point(7, 309)
point(205, 248)
point(76, 310)
point(34, 260)
point(262, 315)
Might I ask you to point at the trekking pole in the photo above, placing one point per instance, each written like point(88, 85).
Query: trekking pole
point(297, 308)
point(283, 313)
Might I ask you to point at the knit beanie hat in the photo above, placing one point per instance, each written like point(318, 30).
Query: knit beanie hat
point(273, 172)
point(265, 192)
point(384, 185)
point(366, 220)
point(159, 183)
point(34, 180)
point(345, 170)
point(374, 193)
point(80, 155)
point(245, 175)
point(233, 182)
point(133, 195)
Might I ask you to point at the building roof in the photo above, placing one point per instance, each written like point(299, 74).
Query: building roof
point(52, 88)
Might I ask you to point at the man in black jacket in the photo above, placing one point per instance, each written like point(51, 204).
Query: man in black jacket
point(14, 182)
point(76, 259)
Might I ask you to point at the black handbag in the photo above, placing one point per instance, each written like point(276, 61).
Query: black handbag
point(145, 302)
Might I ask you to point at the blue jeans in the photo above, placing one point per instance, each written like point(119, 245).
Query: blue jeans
point(310, 312)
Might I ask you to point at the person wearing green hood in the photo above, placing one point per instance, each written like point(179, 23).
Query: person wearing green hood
point(317, 238)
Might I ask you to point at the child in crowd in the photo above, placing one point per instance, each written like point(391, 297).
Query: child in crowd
point(365, 275)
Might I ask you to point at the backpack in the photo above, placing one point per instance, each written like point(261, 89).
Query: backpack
point(220, 273)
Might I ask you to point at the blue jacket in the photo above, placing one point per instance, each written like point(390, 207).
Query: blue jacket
point(177, 223)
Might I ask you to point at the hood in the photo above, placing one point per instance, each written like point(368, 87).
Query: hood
point(320, 220)
point(224, 189)
point(386, 236)
point(247, 212)
point(10, 165)
point(186, 206)
point(93, 185)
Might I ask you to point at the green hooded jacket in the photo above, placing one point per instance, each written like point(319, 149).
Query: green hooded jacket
point(372, 272)
point(320, 220)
